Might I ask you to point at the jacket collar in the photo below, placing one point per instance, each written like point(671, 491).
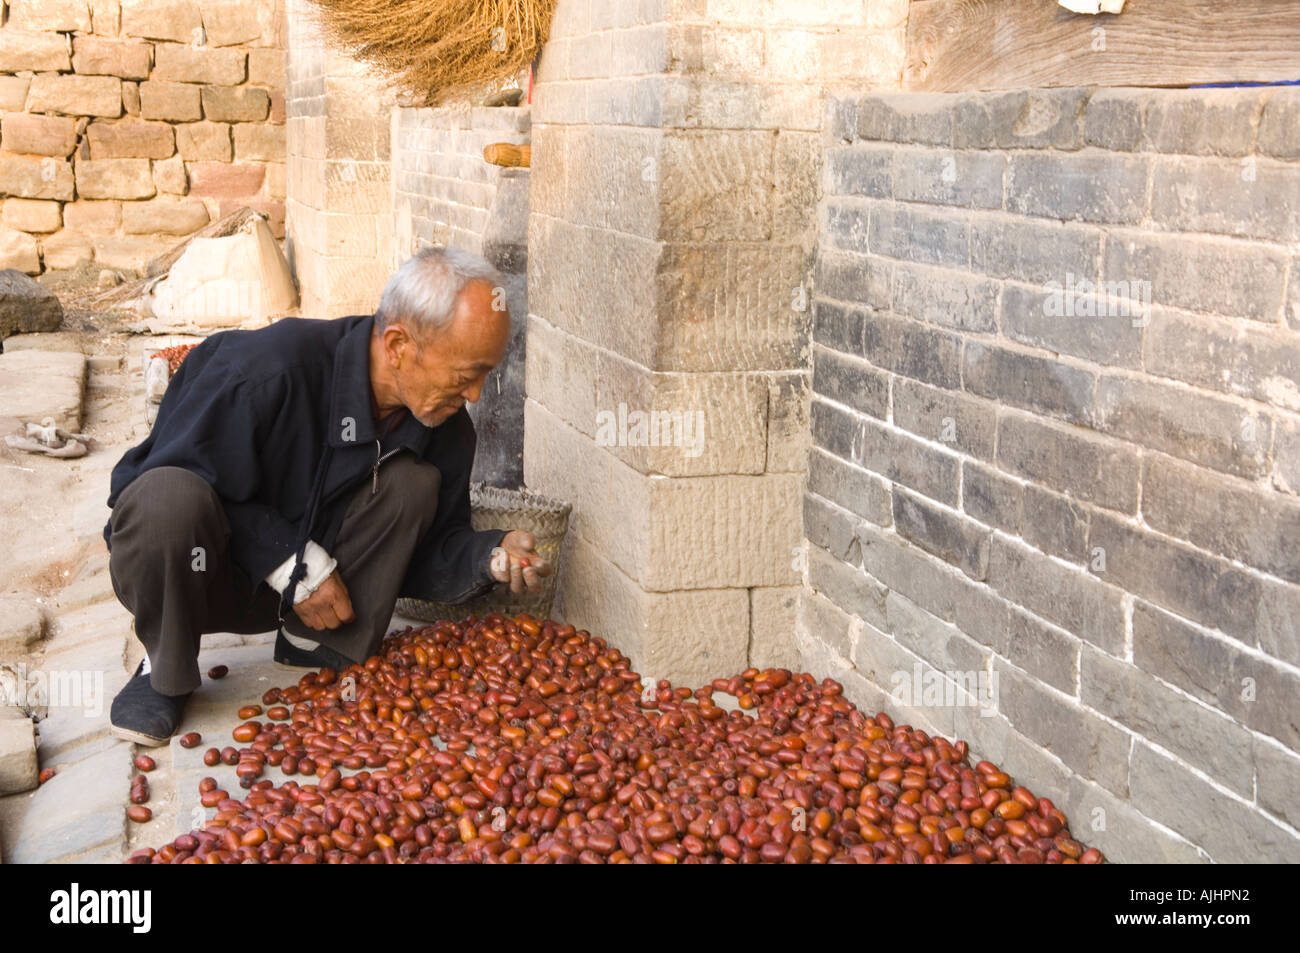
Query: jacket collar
point(350, 397)
point(351, 393)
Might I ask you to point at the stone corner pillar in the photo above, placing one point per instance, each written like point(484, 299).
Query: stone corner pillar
point(673, 214)
point(338, 205)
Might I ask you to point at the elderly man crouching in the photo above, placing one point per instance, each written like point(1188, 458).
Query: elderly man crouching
point(305, 476)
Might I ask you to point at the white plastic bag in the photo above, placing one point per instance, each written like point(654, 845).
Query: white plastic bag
point(240, 279)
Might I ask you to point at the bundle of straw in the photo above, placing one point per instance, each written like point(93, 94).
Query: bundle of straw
point(432, 48)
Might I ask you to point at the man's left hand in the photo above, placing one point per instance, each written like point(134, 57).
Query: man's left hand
point(516, 562)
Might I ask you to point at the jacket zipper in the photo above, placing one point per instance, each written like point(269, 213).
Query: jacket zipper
point(380, 457)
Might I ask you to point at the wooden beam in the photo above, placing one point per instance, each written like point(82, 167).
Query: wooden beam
point(957, 45)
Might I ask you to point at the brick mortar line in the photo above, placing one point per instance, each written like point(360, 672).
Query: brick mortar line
point(1101, 371)
point(900, 540)
point(656, 475)
point(1089, 150)
point(1133, 520)
point(702, 130)
point(1065, 768)
point(807, 370)
point(1005, 216)
point(748, 244)
point(1251, 651)
point(595, 546)
point(1134, 734)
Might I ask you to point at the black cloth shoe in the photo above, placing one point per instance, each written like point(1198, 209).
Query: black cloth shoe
point(286, 653)
point(143, 715)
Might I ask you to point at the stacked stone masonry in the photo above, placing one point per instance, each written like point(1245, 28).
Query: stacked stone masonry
point(339, 212)
point(125, 125)
point(676, 155)
point(444, 190)
point(446, 195)
point(1056, 441)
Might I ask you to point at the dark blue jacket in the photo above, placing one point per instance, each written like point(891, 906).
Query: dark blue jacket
point(279, 421)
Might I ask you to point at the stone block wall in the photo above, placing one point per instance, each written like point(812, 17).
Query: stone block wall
point(127, 125)
point(676, 153)
point(446, 195)
point(1056, 448)
point(339, 209)
point(444, 191)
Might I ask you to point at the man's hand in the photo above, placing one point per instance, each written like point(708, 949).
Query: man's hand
point(516, 562)
point(328, 607)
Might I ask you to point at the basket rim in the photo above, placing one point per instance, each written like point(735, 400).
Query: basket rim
point(498, 497)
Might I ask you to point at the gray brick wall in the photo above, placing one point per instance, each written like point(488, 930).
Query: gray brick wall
point(445, 195)
point(1056, 399)
point(443, 190)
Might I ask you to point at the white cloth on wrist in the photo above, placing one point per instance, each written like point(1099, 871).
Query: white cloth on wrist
point(320, 565)
point(500, 565)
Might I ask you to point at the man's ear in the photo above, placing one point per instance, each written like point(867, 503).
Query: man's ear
point(396, 339)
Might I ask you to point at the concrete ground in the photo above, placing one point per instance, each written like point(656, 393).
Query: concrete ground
point(51, 549)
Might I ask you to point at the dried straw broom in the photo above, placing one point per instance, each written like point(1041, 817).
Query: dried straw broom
point(432, 48)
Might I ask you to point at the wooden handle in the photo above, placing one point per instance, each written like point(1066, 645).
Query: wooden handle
point(507, 154)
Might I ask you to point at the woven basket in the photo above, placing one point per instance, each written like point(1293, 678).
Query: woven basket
point(492, 507)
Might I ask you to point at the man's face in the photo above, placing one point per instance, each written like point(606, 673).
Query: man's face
point(436, 377)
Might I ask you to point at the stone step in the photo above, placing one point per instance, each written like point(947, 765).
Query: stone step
point(92, 590)
point(39, 384)
point(104, 614)
point(68, 727)
point(80, 809)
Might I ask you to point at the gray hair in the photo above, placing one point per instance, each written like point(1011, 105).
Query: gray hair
point(424, 290)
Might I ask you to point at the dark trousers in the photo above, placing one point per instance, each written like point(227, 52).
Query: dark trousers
point(170, 566)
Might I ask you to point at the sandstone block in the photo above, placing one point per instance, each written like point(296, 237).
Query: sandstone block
point(32, 215)
point(235, 103)
point(130, 138)
point(39, 135)
point(235, 22)
point(13, 92)
point(106, 17)
point(131, 98)
point(169, 176)
point(114, 179)
point(66, 249)
point(277, 105)
point(188, 64)
point(259, 141)
point(177, 102)
point(76, 95)
point(96, 218)
point(30, 50)
point(163, 217)
point(18, 251)
point(275, 180)
point(177, 20)
point(207, 141)
point(267, 68)
point(98, 56)
point(129, 253)
point(226, 180)
point(63, 16)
